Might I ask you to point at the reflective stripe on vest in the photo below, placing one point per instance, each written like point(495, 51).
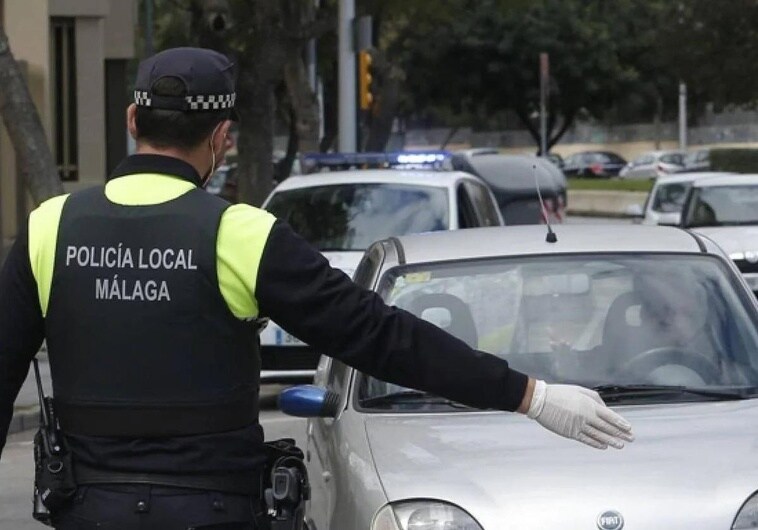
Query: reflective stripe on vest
point(141, 340)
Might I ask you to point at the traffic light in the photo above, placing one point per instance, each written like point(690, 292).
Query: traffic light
point(366, 98)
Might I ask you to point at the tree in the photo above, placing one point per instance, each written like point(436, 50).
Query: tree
point(33, 157)
point(266, 38)
point(713, 48)
point(486, 62)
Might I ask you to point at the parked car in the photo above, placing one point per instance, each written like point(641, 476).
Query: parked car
point(343, 212)
point(699, 160)
point(655, 318)
point(513, 179)
point(665, 201)
point(725, 209)
point(593, 164)
point(653, 165)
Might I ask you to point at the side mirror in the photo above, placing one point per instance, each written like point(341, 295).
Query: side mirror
point(309, 401)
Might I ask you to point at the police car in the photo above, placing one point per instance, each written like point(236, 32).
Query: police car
point(343, 208)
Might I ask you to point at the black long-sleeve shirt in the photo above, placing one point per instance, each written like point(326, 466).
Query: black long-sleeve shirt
point(299, 290)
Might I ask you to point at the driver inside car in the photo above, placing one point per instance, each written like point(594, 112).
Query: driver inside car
point(656, 334)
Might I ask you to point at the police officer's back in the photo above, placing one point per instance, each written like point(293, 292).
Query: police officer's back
point(146, 290)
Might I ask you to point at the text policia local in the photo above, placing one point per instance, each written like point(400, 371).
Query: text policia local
point(120, 258)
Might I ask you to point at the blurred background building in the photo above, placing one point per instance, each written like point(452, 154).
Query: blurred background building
point(75, 54)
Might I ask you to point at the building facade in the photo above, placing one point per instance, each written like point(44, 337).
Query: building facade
point(75, 54)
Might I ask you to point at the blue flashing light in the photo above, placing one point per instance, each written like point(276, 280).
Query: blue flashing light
point(316, 162)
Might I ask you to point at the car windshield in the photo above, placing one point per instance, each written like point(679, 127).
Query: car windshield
point(669, 198)
point(591, 320)
point(352, 216)
point(724, 206)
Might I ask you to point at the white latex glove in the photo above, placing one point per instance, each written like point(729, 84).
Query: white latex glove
point(578, 413)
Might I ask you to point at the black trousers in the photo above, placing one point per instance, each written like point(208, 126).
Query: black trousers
point(137, 507)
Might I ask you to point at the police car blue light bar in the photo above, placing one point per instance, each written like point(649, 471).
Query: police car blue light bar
point(317, 162)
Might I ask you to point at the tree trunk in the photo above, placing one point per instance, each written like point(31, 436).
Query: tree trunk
point(283, 168)
point(384, 111)
point(255, 145)
point(568, 121)
point(33, 156)
point(304, 102)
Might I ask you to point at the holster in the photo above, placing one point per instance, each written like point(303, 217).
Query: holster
point(285, 486)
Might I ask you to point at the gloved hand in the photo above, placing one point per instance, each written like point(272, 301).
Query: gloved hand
point(578, 413)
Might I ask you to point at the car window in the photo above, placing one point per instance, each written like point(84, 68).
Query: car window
point(466, 212)
point(723, 206)
point(673, 158)
point(590, 319)
point(644, 160)
point(669, 198)
point(336, 375)
point(486, 209)
point(368, 266)
point(703, 156)
point(352, 216)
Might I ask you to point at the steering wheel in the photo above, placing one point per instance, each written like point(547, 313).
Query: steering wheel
point(643, 364)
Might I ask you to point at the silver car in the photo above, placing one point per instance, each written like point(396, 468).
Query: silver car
point(657, 319)
point(653, 165)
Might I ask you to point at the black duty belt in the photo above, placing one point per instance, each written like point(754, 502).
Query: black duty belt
point(248, 484)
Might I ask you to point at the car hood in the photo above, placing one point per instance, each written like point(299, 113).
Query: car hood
point(733, 239)
point(344, 260)
point(692, 466)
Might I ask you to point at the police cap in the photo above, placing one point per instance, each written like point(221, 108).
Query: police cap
point(208, 76)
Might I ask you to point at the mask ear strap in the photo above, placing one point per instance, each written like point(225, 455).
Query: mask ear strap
point(213, 157)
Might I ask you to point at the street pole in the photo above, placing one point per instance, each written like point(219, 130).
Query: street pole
point(148, 28)
point(347, 102)
point(544, 86)
point(682, 116)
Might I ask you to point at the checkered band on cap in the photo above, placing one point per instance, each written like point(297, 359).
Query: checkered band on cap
point(217, 102)
point(202, 102)
point(142, 98)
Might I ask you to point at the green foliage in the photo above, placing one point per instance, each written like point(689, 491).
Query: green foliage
point(610, 184)
point(736, 160)
point(713, 46)
point(483, 59)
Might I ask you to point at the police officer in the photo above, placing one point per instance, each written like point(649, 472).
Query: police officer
point(145, 290)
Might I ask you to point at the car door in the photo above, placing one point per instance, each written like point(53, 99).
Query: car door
point(467, 217)
point(642, 167)
point(483, 202)
point(322, 455)
point(321, 451)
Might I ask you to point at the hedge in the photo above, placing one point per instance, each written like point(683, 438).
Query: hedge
point(734, 160)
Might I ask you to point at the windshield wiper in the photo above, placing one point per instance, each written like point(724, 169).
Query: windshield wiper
point(409, 396)
point(612, 392)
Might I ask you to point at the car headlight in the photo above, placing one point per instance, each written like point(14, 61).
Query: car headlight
point(747, 517)
point(423, 515)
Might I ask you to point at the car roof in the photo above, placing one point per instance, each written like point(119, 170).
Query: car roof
point(662, 152)
point(515, 172)
point(439, 179)
point(690, 177)
point(731, 180)
point(526, 240)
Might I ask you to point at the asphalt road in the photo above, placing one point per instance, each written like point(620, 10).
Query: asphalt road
point(16, 466)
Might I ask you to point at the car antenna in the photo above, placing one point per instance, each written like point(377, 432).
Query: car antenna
point(551, 237)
